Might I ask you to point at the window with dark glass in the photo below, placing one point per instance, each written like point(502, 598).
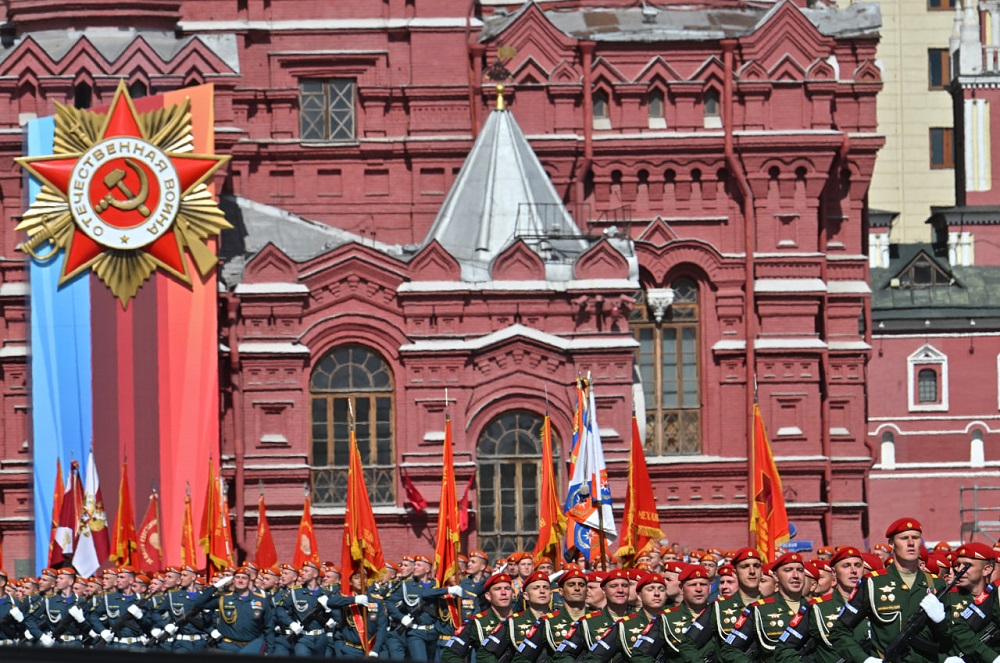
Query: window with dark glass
point(938, 68)
point(656, 104)
point(942, 148)
point(940, 5)
point(922, 273)
point(712, 103)
point(509, 462)
point(83, 96)
point(352, 377)
point(927, 386)
point(668, 362)
point(600, 105)
point(326, 109)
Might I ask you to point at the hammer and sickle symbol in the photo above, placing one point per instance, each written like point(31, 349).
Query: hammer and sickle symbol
point(116, 180)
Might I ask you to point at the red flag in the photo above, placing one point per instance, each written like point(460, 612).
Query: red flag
point(188, 550)
point(216, 538)
point(463, 505)
point(362, 549)
point(124, 543)
point(150, 553)
point(413, 495)
point(266, 555)
point(551, 519)
point(55, 551)
point(305, 542)
point(768, 519)
point(446, 551)
point(642, 522)
point(70, 512)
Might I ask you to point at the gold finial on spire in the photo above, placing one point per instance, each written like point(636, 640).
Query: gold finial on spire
point(501, 102)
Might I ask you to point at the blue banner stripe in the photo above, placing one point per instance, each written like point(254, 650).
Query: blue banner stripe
point(60, 365)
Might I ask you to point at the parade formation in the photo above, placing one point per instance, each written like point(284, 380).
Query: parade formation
point(898, 603)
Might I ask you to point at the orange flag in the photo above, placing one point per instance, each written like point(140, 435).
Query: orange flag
point(150, 552)
point(768, 519)
point(305, 542)
point(55, 551)
point(446, 551)
point(642, 522)
point(551, 520)
point(188, 554)
point(362, 550)
point(124, 542)
point(266, 555)
point(216, 538)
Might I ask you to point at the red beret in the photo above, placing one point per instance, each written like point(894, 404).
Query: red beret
point(480, 554)
point(243, 570)
point(693, 572)
point(811, 570)
point(68, 571)
point(787, 558)
point(543, 560)
point(537, 576)
point(308, 564)
point(634, 574)
point(572, 573)
point(463, 558)
point(902, 525)
point(408, 558)
point(883, 547)
point(767, 570)
point(270, 571)
point(595, 576)
point(143, 578)
point(745, 553)
point(825, 550)
point(943, 545)
point(289, 567)
point(617, 574)
point(48, 572)
point(727, 570)
point(422, 558)
point(872, 562)
point(976, 550)
point(518, 557)
point(822, 565)
point(845, 553)
point(496, 580)
point(937, 561)
point(673, 566)
point(649, 579)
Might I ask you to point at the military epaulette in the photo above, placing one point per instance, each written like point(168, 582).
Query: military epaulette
point(673, 609)
point(768, 600)
point(631, 616)
point(481, 614)
point(550, 615)
point(954, 590)
point(874, 574)
point(595, 613)
point(295, 587)
point(258, 593)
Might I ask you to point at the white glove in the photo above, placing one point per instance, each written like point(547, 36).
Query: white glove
point(330, 623)
point(933, 607)
point(156, 633)
point(455, 590)
point(996, 660)
point(46, 640)
point(361, 599)
point(170, 629)
point(107, 635)
point(215, 635)
point(135, 611)
point(406, 621)
point(323, 600)
point(18, 616)
point(28, 636)
point(955, 659)
point(295, 628)
point(872, 659)
point(373, 654)
point(555, 576)
point(144, 640)
point(76, 614)
point(222, 582)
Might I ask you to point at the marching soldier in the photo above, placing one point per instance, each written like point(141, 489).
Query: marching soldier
point(888, 599)
point(618, 644)
point(243, 620)
point(499, 593)
point(542, 641)
point(414, 606)
point(303, 613)
point(758, 630)
point(507, 638)
point(59, 617)
point(363, 624)
point(11, 617)
point(808, 635)
point(118, 618)
point(595, 626)
point(666, 635)
point(185, 611)
point(975, 607)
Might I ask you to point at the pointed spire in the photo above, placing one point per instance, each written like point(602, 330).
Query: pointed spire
point(956, 30)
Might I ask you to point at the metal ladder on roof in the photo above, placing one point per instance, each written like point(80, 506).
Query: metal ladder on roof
point(979, 513)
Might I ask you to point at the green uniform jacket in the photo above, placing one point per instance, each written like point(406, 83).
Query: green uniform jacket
point(543, 639)
point(756, 633)
point(810, 630)
point(617, 644)
point(888, 603)
point(585, 633)
point(506, 639)
point(972, 624)
point(470, 638)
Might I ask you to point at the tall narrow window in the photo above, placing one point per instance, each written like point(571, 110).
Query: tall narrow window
point(938, 68)
point(657, 119)
point(352, 377)
point(601, 110)
point(713, 109)
point(668, 363)
point(942, 148)
point(927, 386)
point(326, 109)
point(83, 96)
point(509, 459)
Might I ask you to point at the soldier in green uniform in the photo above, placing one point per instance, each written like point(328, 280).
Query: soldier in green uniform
point(975, 607)
point(244, 619)
point(710, 630)
point(369, 616)
point(506, 639)
point(756, 633)
point(619, 643)
point(595, 626)
point(888, 599)
point(543, 639)
point(499, 593)
point(808, 635)
point(666, 636)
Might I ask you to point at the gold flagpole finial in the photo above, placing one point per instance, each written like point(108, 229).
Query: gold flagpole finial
point(501, 102)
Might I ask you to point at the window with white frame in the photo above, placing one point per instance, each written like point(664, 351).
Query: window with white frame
point(927, 380)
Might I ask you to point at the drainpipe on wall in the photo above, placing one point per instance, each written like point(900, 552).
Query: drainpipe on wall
point(232, 319)
point(583, 168)
point(735, 166)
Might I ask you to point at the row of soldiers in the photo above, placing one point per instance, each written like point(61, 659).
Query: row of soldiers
point(845, 607)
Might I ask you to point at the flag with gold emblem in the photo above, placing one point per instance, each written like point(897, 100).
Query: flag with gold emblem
point(124, 543)
point(306, 549)
point(150, 550)
point(362, 549)
point(188, 550)
point(641, 528)
point(768, 519)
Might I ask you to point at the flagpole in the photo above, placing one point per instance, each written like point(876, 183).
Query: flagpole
point(364, 611)
point(751, 478)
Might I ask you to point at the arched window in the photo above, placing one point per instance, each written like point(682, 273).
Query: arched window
point(509, 460)
point(665, 321)
point(887, 457)
point(138, 90)
point(352, 376)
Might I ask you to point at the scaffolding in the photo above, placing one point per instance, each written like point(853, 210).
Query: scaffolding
point(982, 517)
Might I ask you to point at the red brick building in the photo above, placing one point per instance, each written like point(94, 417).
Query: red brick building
point(666, 183)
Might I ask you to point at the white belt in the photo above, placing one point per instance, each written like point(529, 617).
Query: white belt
point(128, 641)
point(188, 638)
point(317, 631)
point(70, 638)
point(8, 643)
